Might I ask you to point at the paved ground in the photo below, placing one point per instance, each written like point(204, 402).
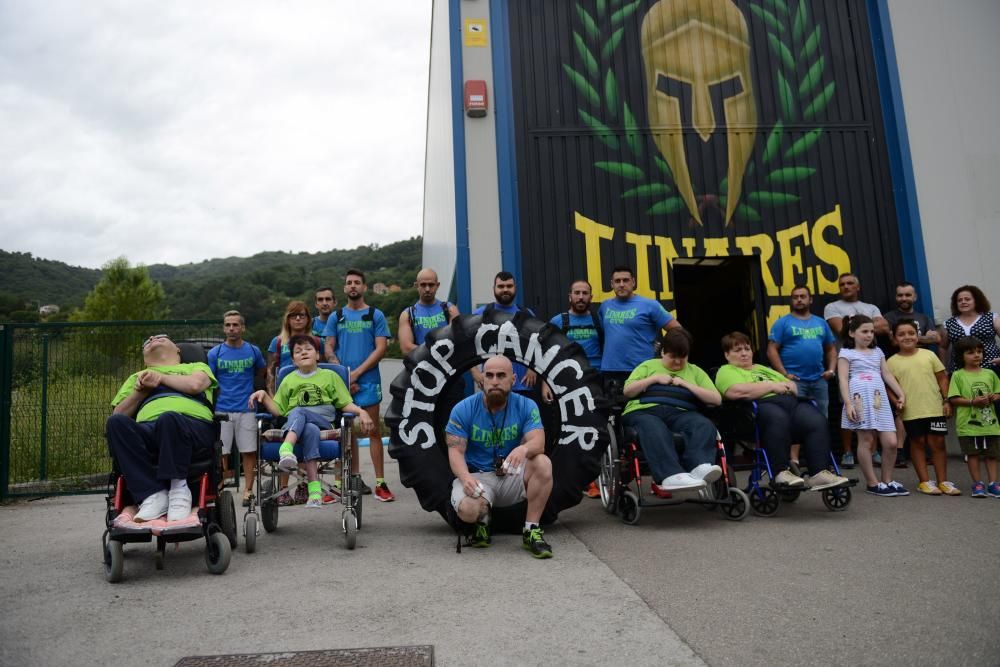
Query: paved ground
point(906, 581)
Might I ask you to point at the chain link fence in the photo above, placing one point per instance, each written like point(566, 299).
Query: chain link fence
point(57, 381)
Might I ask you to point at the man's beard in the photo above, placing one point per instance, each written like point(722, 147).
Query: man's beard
point(495, 399)
point(504, 299)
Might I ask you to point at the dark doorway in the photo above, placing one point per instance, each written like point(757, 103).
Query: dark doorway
point(715, 296)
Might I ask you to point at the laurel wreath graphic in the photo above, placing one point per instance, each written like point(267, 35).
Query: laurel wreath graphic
point(799, 79)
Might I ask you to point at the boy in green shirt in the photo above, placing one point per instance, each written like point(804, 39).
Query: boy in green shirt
point(309, 397)
point(973, 392)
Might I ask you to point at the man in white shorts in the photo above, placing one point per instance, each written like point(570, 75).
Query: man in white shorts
point(235, 364)
point(496, 450)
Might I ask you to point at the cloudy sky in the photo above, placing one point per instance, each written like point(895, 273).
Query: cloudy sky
point(178, 131)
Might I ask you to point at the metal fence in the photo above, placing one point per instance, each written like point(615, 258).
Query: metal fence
point(57, 381)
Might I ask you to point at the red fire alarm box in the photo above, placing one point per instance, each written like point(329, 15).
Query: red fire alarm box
point(476, 100)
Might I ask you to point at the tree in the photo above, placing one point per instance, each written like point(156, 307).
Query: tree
point(123, 293)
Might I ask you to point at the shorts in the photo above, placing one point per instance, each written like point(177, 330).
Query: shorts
point(980, 445)
point(368, 394)
point(918, 428)
point(500, 491)
point(243, 427)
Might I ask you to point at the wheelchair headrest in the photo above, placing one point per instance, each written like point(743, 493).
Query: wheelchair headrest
point(192, 353)
point(343, 371)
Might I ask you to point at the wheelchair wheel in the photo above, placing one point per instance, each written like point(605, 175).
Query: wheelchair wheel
point(837, 499)
point(607, 479)
point(349, 520)
point(789, 495)
point(269, 508)
point(226, 507)
point(764, 501)
point(217, 553)
point(629, 508)
point(738, 506)
point(114, 561)
point(250, 533)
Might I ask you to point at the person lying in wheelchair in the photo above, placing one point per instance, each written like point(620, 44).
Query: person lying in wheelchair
point(309, 398)
point(666, 396)
point(162, 414)
point(782, 417)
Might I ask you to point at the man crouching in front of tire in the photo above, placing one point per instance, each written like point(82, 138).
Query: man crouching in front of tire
point(496, 450)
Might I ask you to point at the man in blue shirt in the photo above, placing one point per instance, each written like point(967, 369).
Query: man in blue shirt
point(504, 292)
point(235, 364)
point(357, 337)
point(496, 450)
point(632, 324)
point(426, 314)
point(580, 324)
point(325, 303)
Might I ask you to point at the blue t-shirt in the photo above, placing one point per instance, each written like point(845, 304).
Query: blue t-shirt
point(583, 332)
point(285, 358)
point(520, 370)
point(495, 434)
point(630, 328)
point(802, 344)
point(425, 318)
point(235, 368)
point(318, 326)
point(355, 338)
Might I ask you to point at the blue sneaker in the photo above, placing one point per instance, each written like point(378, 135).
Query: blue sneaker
point(993, 490)
point(877, 458)
point(847, 460)
point(882, 489)
point(898, 488)
point(978, 490)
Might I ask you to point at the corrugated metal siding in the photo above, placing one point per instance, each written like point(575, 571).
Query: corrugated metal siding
point(557, 151)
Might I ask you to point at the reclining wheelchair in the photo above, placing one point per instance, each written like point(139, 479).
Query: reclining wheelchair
point(335, 453)
point(623, 467)
point(216, 509)
point(738, 424)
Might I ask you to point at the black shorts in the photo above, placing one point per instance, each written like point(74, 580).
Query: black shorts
point(918, 428)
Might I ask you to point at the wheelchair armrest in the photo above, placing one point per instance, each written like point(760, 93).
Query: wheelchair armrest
point(220, 417)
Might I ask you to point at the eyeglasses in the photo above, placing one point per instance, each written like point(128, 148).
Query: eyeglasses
point(296, 316)
point(146, 343)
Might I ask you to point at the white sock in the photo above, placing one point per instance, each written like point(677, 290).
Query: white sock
point(529, 525)
point(176, 484)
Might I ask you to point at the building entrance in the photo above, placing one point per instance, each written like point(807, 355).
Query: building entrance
point(715, 296)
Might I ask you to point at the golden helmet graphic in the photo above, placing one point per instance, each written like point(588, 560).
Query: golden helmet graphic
point(699, 49)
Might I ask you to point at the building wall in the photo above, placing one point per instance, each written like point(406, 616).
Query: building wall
point(947, 55)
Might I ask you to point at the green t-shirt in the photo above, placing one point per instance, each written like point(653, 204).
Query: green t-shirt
point(969, 420)
point(916, 375)
point(689, 373)
point(729, 375)
point(186, 406)
point(321, 387)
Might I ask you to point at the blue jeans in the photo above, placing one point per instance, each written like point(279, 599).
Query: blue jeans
point(817, 390)
point(656, 427)
point(306, 425)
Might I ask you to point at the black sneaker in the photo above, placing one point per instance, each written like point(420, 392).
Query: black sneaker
point(365, 489)
point(534, 541)
point(481, 538)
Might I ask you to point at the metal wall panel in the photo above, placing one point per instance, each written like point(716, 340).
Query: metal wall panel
point(599, 182)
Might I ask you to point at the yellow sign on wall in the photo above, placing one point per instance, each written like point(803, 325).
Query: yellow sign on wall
point(475, 32)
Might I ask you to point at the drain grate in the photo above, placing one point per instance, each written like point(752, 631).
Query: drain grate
point(379, 656)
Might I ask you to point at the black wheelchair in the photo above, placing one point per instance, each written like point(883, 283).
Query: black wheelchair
point(216, 510)
point(335, 454)
point(737, 423)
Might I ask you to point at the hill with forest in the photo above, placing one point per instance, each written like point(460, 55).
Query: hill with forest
point(259, 286)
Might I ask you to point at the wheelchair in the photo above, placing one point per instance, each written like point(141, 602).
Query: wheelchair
point(216, 510)
point(623, 466)
point(737, 423)
point(335, 454)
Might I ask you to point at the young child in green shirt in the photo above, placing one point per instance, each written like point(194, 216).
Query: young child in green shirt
point(309, 397)
point(973, 392)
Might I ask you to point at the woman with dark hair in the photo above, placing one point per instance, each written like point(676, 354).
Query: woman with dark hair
point(971, 316)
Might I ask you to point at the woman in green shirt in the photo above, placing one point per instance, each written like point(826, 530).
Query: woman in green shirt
point(781, 417)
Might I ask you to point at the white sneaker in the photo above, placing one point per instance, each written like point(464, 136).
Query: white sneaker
point(682, 481)
point(707, 472)
point(788, 478)
point(179, 505)
point(153, 507)
point(825, 479)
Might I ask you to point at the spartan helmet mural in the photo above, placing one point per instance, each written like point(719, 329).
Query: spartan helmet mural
point(697, 50)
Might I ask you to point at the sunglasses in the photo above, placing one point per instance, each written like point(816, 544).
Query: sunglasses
point(146, 343)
